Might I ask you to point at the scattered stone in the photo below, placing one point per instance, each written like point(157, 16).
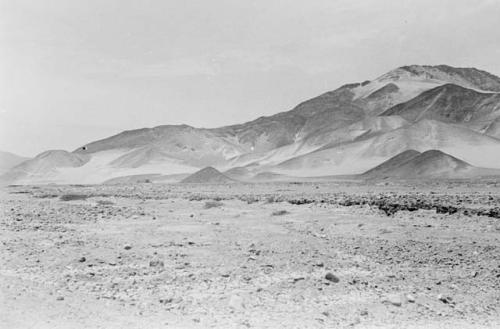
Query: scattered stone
point(166, 300)
point(394, 300)
point(60, 298)
point(332, 277)
point(236, 303)
point(82, 259)
point(156, 263)
point(127, 247)
point(410, 298)
point(444, 299)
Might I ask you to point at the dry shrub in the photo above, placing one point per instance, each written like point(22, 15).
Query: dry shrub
point(248, 199)
point(72, 197)
point(280, 213)
point(105, 202)
point(274, 198)
point(212, 204)
point(196, 197)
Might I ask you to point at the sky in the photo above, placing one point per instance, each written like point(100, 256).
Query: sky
point(72, 72)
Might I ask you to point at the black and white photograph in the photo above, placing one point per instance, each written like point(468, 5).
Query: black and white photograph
point(249, 164)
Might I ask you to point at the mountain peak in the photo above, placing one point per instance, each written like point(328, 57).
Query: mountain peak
point(468, 77)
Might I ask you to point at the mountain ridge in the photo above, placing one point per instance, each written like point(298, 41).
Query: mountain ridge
point(366, 122)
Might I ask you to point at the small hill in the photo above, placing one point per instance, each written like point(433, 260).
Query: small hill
point(9, 160)
point(208, 175)
point(412, 164)
point(387, 167)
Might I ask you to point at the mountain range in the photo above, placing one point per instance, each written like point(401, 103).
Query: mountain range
point(346, 131)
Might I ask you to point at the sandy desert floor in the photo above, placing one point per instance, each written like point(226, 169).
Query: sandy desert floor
point(309, 255)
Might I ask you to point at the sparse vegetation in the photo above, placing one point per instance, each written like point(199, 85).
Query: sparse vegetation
point(280, 213)
point(273, 199)
point(212, 204)
point(249, 198)
point(73, 197)
point(196, 197)
point(105, 202)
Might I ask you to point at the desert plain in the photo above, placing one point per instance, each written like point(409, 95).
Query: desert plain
point(345, 254)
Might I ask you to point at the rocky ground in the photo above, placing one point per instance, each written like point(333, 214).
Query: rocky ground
point(333, 255)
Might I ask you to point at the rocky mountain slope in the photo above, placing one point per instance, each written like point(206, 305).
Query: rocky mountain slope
point(452, 104)
point(345, 131)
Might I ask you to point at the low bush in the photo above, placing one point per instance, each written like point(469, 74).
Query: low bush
point(280, 213)
point(212, 204)
point(105, 202)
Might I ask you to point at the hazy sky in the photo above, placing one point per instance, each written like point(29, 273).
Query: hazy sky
point(76, 71)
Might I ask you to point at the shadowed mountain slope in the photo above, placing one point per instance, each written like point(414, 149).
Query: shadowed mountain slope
point(453, 104)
